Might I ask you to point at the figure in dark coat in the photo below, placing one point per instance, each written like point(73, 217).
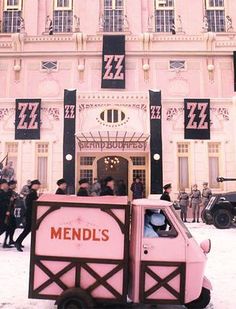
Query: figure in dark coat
point(166, 194)
point(137, 188)
point(30, 198)
point(62, 185)
point(84, 186)
point(4, 205)
point(121, 189)
point(108, 188)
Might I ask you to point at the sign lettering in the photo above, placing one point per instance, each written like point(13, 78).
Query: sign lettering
point(116, 62)
point(155, 112)
point(69, 111)
point(192, 124)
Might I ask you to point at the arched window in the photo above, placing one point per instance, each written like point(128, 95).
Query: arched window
point(164, 16)
point(215, 13)
point(113, 16)
point(12, 15)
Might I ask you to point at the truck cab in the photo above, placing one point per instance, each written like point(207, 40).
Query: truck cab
point(87, 251)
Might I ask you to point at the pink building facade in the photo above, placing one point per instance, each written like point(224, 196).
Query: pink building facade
point(183, 48)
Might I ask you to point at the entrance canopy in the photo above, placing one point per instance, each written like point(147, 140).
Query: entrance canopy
point(112, 140)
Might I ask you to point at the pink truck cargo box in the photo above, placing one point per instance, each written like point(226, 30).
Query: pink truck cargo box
point(80, 242)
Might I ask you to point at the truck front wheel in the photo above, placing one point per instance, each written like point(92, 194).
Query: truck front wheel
point(75, 299)
point(202, 302)
point(222, 219)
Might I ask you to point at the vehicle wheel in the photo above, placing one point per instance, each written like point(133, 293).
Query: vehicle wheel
point(75, 299)
point(202, 302)
point(222, 219)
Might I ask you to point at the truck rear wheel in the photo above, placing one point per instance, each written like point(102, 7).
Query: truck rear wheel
point(75, 299)
point(202, 302)
point(222, 219)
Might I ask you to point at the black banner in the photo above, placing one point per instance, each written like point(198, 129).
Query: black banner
point(235, 71)
point(156, 168)
point(113, 62)
point(197, 119)
point(27, 119)
point(69, 139)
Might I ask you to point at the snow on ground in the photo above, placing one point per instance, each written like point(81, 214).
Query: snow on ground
point(221, 270)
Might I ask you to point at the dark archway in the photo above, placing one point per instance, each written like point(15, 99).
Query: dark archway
point(114, 166)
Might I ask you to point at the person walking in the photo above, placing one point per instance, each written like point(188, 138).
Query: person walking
point(30, 198)
point(62, 185)
point(195, 198)
point(137, 188)
point(166, 194)
point(95, 188)
point(84, 186)
point(183, 202)
point(4, 205)
point(121, 188)
point(10, 218)
point(108, 188)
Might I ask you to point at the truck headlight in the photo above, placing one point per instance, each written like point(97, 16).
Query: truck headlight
point(206, 246)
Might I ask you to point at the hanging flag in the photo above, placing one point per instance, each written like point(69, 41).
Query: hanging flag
point(235, 71)
point(156, 161)
point(113, 62)
point(69, 139)
point(50, 30)
point(197, 119)
point(27, 119)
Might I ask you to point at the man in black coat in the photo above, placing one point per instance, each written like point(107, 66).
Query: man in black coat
point(4, 205)
point(83, 189)
point(137, 188)
point(166, 194)
point(30, 198)
point(108, 188)
point(62, 185)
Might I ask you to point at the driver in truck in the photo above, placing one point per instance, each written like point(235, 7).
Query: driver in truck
point(153, 222)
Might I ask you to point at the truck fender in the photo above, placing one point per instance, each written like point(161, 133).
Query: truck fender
point(207, 284)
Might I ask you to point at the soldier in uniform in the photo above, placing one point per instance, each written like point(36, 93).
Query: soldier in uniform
point(195, 202)
point(84, 186)
point(166, 194)
point(4, 204)
point(30, 198)
point(206, 195)
point(183, 202)
point(62, 185)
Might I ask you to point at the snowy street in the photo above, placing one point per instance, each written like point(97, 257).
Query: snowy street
point(14, 268)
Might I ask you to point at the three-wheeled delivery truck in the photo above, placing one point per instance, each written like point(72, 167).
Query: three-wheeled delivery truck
point(83, 254)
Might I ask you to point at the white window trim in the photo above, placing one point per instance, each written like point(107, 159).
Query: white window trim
point(64, 8)
point(13, 7)
point(177, 70)
point(159, 7)
point(214, 8)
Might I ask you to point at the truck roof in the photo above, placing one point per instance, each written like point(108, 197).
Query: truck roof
point(114, 200)
point(151, 202)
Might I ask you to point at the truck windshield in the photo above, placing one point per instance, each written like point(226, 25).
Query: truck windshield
point(189, 235)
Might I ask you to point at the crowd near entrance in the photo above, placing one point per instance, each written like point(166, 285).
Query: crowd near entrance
point(123, 168)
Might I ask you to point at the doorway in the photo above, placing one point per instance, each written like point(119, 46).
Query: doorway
point(114, 166)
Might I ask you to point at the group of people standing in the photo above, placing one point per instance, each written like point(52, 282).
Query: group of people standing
point(194, 200)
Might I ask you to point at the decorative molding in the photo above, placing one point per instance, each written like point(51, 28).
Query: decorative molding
point(222, 112)
point(5, 112)
point(86, 106)
point(53, 112)
point(174, 112)
point(114, 96)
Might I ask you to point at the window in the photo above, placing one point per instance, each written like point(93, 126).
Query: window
point(164, 15)
point(112, 116)
point(63, 16)
point(177, 65)
point(42, 163)
point(138, 160)
point(12, 151)
point(214, 164)
point(215, 12)
point(183, 165)
point(88, 174)
point(12, 16)
point(113, 16)
point(49, 65)
point(157, 224)
point(86, 160)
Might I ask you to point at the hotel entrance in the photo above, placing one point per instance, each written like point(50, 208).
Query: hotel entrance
point(123, 166)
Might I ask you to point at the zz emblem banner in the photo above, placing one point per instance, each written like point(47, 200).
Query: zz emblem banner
point(113, 62)
point(197, 118)
point(27, 119)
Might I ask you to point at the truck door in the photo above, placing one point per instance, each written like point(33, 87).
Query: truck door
point(162, 267)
